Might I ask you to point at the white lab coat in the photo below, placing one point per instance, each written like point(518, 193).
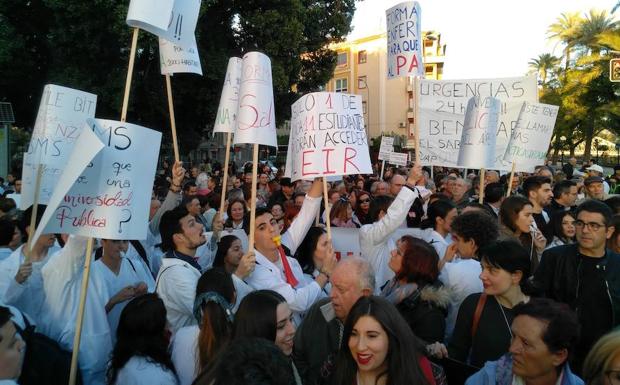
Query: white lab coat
point(109, 284)
point(184, 354)
point(62, 281)
point(374, 238)
point(142, 371)
point(29, 296)
point(4, 253)
point(176, 286)
point(269, 275)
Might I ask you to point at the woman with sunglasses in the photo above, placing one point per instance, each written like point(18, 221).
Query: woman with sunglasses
point(341, 214)
point(363, 207)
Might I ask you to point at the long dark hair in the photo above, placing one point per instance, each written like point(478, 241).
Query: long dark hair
point(510, 209)
point(256, 316)
point(222, 249)
point(215, 325)
point(141, 332)
point(556, 224)
point(305, 251)
point(420, 261)
point(403, 348)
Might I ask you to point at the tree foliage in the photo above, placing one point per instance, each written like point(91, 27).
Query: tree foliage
point(85, 45)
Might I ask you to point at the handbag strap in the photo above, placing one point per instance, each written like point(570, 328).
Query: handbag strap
point(479, 307)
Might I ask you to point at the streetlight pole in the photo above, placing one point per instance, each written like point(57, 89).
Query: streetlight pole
point(563, 142)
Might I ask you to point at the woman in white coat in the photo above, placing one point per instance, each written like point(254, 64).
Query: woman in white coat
point(140, 356)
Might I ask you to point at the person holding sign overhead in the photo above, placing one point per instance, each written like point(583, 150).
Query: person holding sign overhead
point(281, 273)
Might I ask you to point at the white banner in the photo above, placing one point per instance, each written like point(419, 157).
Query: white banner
point(404, 40)
point(442, 112)
point(174, 20)
point(479, 133)
point(61, 117)
point(226, 120)
point(110, 198)
point(398, 159)
point(530, 140)
point(387, 147)
point(346, 242)
point(256, 122)
point(178, 59)
point(328, 136)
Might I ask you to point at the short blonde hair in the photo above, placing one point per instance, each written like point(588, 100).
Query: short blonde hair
point(600, 357)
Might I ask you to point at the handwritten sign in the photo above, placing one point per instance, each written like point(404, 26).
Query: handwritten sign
point(110, 197)
point(530, 140)
point(442, 113)
point(328, 136)
point(61, 117)
point(226, 120)
point(398, 159)
point(178, 59)
point(256, 122)
point(346, 242)
point(479, 133)
point(404, 40)
point(174, 20)
point(387, 147)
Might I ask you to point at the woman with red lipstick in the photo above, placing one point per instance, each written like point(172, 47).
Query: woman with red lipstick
point(266, 314)
point(379, 348)
point(482, 332)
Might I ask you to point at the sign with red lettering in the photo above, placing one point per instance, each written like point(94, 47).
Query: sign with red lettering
point(105, 190)
point(530, 139)
point(327, 136)
point(479, 133)
point(404, 40)
point(256, 121)
point(61, 117)
point(226, 120)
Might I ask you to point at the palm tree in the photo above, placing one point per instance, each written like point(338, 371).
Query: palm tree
point(566, 30)
point(595, 24)
point(543, 64)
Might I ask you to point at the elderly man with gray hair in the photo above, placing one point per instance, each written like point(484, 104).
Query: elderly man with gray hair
point(319, 337)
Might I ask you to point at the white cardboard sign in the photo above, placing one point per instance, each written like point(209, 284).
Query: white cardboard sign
point(61, 117)
point(387, 147)
point(256, 121)
point(530, 140)
point(479, 133)
point(442, 113)
point(174, 20)
point(226, 120)
point(178, 59)
point(398, 159)
point(110, 198)
point(404, 40)
point(328, 136)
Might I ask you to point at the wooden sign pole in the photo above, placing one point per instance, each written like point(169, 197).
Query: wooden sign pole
point(510, 180)
point(253, 201)
point(327, 210)
point(481, 187)
point(173, 124)
point(225, 179)
point(33, 215)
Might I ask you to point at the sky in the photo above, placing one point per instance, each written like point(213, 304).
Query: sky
point(484, 38)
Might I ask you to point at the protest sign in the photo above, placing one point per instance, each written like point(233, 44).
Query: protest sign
point(61, 117)
point(477, 148)
point(530, 139)
point(346, 242)
point(387, 147)
point(110, 197)
point(256, 121)
point(442, 113)
point(178, 59)
point(174, 20)
point(404, 40)
point(398, 159)
point(226, 120)
point(327, 136)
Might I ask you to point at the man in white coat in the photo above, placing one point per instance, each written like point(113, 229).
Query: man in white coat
point(387, 217)
point(281, 273)
point(181, 237)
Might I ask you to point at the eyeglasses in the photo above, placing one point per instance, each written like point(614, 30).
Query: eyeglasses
point(591, 225)
point(613, 376)
point(365, 200)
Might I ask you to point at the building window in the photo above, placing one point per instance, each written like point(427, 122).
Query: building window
point(428, 69)
point(365, 107)
point(361, 57)
point(361, 82)
point(342, 58)
point(342, 85)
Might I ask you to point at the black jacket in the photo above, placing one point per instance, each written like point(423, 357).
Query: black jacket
point(425, 311)
point(557, 277)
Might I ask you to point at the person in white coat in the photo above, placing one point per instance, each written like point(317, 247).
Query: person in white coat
point(140, 356)
point(387, 216)
point(21, 282)
point(277, 271)
point(176, 282)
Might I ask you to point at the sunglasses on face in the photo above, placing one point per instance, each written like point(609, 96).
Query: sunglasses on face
point(367, 200)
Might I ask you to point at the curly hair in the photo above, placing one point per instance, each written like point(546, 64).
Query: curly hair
point(476, 225)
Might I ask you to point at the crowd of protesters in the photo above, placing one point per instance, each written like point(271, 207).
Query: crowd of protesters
point(523, 289)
